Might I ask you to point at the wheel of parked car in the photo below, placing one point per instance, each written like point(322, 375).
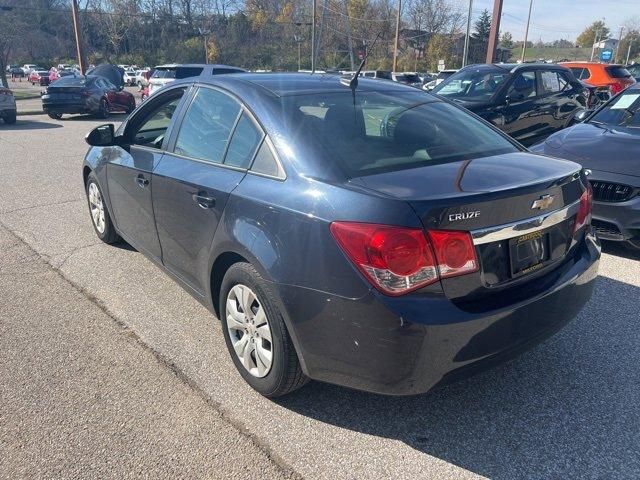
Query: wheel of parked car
point(634, 242)
point(55, 115)
point(99, 214)
point(103, 109)
point(10, 118)
point(130, 108)
point(256, 335)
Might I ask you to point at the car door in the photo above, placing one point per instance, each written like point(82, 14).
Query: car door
point(207, 158)
point(520, 115)
point(556, 103)
point(129, 170)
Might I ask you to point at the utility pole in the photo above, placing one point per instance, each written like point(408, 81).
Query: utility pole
point(619, 42)
point(596, 39)
point(526, 33)
point(395, 48)
point(347, 27)
point(313, 37)
point(495, 31)
point(629, 51)
point(465, 53)
point(78, 32)
point(205, 34)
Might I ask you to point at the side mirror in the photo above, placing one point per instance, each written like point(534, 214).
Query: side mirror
point(581, 116)
point(102, 136)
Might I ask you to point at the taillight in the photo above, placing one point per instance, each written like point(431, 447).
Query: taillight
point(615, 88)
point(583, 217)
point(397, 260)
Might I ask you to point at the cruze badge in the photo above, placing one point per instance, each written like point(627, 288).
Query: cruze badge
point(463, 216)
point(543, 202)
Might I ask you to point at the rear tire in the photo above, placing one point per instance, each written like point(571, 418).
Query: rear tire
point(55, 115)
point(242, 334)
point(98, 212)
point(10, 118)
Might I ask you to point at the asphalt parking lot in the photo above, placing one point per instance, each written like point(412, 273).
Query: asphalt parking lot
point(569, 408)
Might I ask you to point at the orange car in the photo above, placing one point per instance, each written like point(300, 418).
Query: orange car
point(615, 77)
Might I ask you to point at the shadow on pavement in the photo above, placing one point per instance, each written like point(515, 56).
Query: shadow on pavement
point(23, 124)
point(567, 408)
point(114, 117)
point(621, 249)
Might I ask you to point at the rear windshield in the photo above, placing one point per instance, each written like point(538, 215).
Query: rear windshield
point(618, 72)
point(621, 110)
point(384, 74)
point(409, 78)
point(177, 72)
point(387, 131)
point(72, 81)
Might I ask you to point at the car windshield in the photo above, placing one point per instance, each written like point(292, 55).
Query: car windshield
point(389, 131)
point(408, 78)
point(622, 110)
point(72, 81)
point(473, 84)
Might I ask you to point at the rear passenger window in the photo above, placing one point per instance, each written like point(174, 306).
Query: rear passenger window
point(550, 82)
point(524, 86)
point(206, 127)
point(265, 163)
point(244, 143)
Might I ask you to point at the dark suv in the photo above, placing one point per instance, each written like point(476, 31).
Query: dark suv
point(528, 101)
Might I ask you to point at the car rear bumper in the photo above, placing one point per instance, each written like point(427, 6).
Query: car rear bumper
point(58, 107)
point(408, 345)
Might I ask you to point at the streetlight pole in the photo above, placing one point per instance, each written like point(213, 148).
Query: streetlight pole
point(619, 42)
point(526, 33)
point(313, 37)
point(78, 33)
point(395, 48)
point(465, 53)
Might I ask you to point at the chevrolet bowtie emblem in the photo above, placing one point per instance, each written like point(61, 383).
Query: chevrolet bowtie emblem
point(543, 202)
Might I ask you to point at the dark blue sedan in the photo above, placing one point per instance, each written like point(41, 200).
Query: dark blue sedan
point(608, 143)
point(371, 235)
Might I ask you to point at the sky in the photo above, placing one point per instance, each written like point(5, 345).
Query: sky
point(556, 19)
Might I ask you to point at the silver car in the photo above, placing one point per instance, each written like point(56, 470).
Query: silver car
point(164, 74)
point(7, 106)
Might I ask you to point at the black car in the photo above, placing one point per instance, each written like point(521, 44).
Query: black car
point(608, 143)
point(91, 94)
point(333, 248)
point(527, 101)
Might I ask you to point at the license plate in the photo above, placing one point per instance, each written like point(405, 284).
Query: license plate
point(528, 253)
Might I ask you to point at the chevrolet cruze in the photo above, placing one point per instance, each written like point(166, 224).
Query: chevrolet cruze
point(372, 236)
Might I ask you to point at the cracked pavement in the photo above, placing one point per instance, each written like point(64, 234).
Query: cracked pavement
point(568, 408)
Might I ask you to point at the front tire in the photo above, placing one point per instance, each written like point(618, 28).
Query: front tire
point(634, 243)
point(256, 335)
point(100, 218)
point(55, 115)
point(10, 118)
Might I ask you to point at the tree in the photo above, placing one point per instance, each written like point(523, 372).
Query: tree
point(506, 40)
point(588, 37)
point(483, 25)
point(440, 48)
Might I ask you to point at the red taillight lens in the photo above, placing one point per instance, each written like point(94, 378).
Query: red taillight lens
point(583, 217)
point(397, 260)
point(616, 88)
point(455, 252)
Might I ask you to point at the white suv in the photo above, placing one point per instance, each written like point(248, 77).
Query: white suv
point(164, 74)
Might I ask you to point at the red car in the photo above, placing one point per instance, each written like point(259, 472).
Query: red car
point(39, 77)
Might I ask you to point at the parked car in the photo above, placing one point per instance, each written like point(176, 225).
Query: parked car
point(526, 101)
point(596, 96)
point(407, 78)
point(616, 77)
point(328, 251)
point(142, 77)
point(634, 70)
point(608, 144)
point(8, 110)
point(27, 67)
point(16, 72)
point(379, 74)
point(39, 77)
point(164, 74)
point(89, 94)
point(129, 77)
point(55, 74)
point(440, 77)
point(9, 67)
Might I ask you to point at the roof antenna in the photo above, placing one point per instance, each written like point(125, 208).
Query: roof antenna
point(353, 81)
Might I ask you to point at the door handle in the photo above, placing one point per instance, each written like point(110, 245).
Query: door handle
point(141, 181)
point(203, 200)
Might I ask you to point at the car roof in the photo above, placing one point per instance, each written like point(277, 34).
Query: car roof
point(286, 84)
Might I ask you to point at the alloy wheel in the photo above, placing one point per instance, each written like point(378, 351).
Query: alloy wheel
point(249, 330)
point(97, 207)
